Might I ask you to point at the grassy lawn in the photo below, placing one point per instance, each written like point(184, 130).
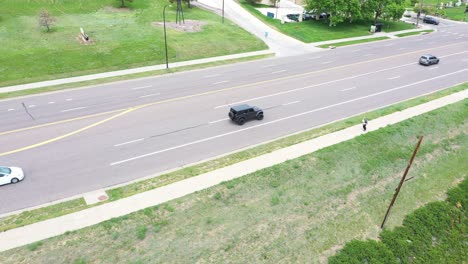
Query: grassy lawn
point(122, 38)
point(454, 13)
point(300, 211)
point(346, 43)
point(414, 33)
point(315, 31)
point(52, 211)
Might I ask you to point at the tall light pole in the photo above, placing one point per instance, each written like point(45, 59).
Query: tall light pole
point(165, 38)
point(277, 4)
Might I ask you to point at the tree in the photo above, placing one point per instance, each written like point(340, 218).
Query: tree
point(122, 2)
point(45, 19)
point(336, 9)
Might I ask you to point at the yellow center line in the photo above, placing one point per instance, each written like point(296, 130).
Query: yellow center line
point(69, 134)
point(225, 89)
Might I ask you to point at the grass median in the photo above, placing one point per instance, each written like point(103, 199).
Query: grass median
point(300, 211)
point(414, 33)
point(352, 42)
point(52, 211)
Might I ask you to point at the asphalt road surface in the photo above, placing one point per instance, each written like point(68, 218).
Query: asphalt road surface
point(76, 141)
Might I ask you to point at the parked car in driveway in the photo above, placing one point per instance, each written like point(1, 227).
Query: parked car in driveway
point(431, 20)
point(244, 112)
point(10, 175)
point(428, 59)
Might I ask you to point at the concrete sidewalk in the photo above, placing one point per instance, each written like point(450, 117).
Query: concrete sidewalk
point(57, 226)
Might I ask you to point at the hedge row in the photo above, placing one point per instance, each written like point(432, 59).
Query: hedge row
point(435, 233)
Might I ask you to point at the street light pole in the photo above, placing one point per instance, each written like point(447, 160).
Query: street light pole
point(223, 11)
point(277, 4)
point(165, 38)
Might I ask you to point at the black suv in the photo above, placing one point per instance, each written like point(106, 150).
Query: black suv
point(242, 113)
point(431, 20)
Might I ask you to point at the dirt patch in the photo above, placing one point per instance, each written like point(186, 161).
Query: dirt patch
point(188, 26)
point(112, 9)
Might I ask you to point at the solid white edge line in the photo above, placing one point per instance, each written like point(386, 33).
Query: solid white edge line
point(129, 142)
point(284, 118)
point(72, 109)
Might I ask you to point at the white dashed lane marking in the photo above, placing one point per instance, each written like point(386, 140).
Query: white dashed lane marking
point(347, 89)
point(395, 77)
point(129, 142)
point(148, 95)
point(142, 87)
point(220, 82)
point(73, 109)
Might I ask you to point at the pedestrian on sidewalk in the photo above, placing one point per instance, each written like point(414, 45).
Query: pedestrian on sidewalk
point(364, 124)
point(266, 34)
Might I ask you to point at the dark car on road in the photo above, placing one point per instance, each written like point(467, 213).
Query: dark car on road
point(241, 113)
point(428, 59)
point(431, 20)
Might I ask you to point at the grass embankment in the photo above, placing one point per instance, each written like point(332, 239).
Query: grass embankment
point(122, 38)
point(414, 33)
point(297, 212)
point(40, 214)
point(316, 31)
point(346, 43)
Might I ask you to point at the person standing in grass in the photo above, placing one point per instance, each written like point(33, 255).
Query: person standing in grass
point(364, 124)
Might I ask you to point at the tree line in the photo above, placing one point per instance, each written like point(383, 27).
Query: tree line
point(342, 11)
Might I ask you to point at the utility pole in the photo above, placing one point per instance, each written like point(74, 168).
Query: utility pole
point(223, 12)
point(419, 13)
point(401, 181)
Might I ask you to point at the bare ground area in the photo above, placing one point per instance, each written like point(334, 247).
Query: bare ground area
point(187, 26)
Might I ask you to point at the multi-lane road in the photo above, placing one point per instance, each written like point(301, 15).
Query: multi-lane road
point(76, 141)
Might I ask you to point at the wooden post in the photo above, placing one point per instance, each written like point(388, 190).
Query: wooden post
point(401, 181)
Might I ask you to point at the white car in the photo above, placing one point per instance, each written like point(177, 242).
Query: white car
point(10, 175)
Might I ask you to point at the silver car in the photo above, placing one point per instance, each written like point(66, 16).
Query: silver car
point(428, 59)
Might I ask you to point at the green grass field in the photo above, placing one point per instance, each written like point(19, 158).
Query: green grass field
point(316, 31)
point(123, 38)
point(300, 211)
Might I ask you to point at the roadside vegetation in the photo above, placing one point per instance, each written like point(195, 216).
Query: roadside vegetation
point(319, 30)
point(119, 38)
point(300, 211)
point(435, 233)
point(346, 43)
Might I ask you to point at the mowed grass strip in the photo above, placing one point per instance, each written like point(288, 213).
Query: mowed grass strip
point(300, 211)
point(122, 38)
point(318, 30)
point(40, 214)
point(414, 33)
point(346, 43)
